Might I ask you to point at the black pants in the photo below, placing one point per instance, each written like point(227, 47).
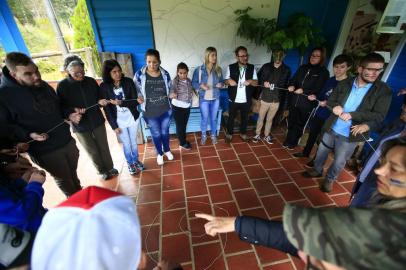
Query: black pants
point(297, 120)
point(232, 111)
point(181, 116)
point(62, 164)
point(316, 124)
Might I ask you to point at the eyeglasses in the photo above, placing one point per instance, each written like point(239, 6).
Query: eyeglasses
point(243, 56)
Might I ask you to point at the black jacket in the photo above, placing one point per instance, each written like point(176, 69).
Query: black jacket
point(311, 79)
point(24, 110)
point(265, 74)
point(234, 74)
point(81, 94)
point(130, 92)
point(263, 232)
point(374, 106)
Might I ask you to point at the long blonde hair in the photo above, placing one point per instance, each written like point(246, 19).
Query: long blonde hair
point(207, 52)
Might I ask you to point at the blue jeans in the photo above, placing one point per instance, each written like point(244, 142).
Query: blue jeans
point(128, 137)
point(343, 150)
point(208, 110)
point(159, 127)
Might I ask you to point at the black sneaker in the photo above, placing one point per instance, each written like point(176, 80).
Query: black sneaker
point(290, 147)
point(299, 155)
point(229, 137)
point(186, 146)
point(312, 173)
point(106, 176)
point(326, 186)
point(113, 172)
point(310, 164)
point(133, 169)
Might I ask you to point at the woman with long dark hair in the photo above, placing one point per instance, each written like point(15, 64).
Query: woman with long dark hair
point(122, 113)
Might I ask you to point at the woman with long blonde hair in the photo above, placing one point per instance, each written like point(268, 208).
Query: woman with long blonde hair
point(208, 78)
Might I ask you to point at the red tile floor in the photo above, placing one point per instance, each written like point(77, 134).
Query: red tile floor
point(241, 178)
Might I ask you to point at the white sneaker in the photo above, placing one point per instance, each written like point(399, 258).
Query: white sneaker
point(169, 155)
point(160, 160)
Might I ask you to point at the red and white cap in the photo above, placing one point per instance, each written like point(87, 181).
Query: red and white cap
point(94, 229)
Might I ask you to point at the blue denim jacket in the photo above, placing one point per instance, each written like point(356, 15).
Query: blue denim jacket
point(140, 78)
point(204, 77)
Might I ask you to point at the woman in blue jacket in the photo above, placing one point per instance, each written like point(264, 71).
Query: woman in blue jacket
point(153, 85)
point(122, 113)
point(208, 78)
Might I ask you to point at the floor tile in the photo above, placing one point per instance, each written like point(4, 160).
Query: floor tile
point(257, 212)
point(149, 213)
point(273, 205)
point(151, 164)
point(226, 209)
point(270, 255)
point(173, 199)
point(171, 245)
point(291, 165)
point(227, 155)
point(193, 172)
point(151, 177)
point(239, 181)
point(199, 205)
point(220, 193)
point(269, 162)
point(243, 261)
point(198, 233)
point(195, 187)
point(209, 256)
point(264, 187)
point(290, 192)
point(247, 199)
point(232, 167)
point(279, 176)
point(255, 172)
point(215, 177)
point(172, 167)
point(207, 151)
point(191, 159)
point(248, 159)
point(303, 181)
point(211, 163)
point(261, 151)
point(232, 243)
point(151, 193)
point(241, 148)
point(281, 153)
point(316, 197)
point(281, 266)
point(150, 238)
point(173, 181)
point(174, 221)
point(341, 200)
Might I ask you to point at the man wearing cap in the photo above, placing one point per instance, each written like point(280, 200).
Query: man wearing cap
point(333, 238)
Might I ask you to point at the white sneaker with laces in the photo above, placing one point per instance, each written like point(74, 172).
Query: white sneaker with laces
point(160, 160)
point(169, 155)
point(268, 139)
point(256, 138)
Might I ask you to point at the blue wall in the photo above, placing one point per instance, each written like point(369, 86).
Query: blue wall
point(122, 26)
point(397, 81)
point(326, 14)
point(10, 36)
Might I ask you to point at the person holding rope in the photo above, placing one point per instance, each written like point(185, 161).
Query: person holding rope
point(79, 93)
point(122, 113)
point(153, 83)
point(308, 80)
point(241, 78)
point(341, 65)
point(29, 110)
point(353, 102)
point(278, 74)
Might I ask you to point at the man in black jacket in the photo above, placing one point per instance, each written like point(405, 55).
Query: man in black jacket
point(354, 102)
point(241, 78)
point(274, 73)
point(29, 108)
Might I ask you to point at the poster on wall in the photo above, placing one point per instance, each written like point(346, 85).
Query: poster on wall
point(393, 18)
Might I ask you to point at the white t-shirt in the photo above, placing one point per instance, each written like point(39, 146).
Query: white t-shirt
point(125, 118)
point(241, 96)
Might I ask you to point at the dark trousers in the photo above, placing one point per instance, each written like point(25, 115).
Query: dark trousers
point(96, 145)
point(62, 164)
point(297, 120)
point(316, 123)
point(181, 116)
point(232, 112)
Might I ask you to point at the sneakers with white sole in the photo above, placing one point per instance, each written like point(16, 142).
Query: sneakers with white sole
point(256, 138)
point(160, 160)
point(169, 155)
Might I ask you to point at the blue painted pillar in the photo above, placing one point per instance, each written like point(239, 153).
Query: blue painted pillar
point(10, 36)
